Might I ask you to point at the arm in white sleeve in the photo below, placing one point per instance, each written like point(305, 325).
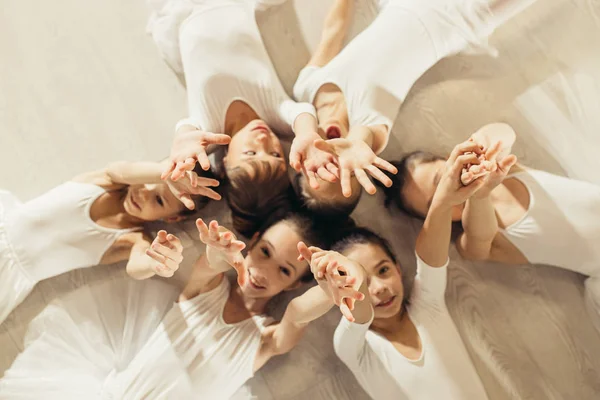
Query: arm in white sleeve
point(350, 342)
point(430, 283)
point(289, 111)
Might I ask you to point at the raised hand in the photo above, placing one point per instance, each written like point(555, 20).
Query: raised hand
point(450, 190)
point(328, 267)
point(166, 250)
point(225, 244)
point(355, 156)
point(193, 184)
point(189, 147)
point(304, 156)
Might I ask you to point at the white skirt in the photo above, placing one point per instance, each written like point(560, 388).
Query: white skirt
point(15, 284)
point(80, 342)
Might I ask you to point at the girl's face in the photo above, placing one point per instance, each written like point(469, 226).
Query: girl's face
point(384, 278)
point(152, 203)
point(272, 262)
point(255, 142)
point(420, 186)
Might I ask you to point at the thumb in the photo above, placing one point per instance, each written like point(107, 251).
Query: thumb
point(324, 146)
point(305, 253)
point(471, 188)
point(217, 138)
point(296, 160)
point(508, 162)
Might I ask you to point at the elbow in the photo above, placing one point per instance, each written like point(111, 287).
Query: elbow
point(473, 254)
point(115, 170)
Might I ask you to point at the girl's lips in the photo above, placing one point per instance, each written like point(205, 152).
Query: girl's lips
point(253, 283)
point(386, 303)
point(333, 132)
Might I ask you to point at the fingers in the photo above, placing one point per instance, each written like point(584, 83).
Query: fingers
point(225, 239)
point(187, 201)
point(304, 252)
point(466, 178)
point(296, 160)
point(203, 181)
point(203, 160)
point(166, 252)
point(202, 230)
point(165, 266)
point(345, 178)
point(346, 312)
point(493, 151)
point(468, 146)
point(379, 175)
point(364, 181)
point(324, 146)
point(217, 138)
point(175, 242)
point(238, 265)
point(168, 170)
point(325, 174)
point(463, 160)
point(507, 163)
point(312, 179)
point(161, 236)
point(386, 165)
point(213, 231)
point(208, 192)
point(331, 167)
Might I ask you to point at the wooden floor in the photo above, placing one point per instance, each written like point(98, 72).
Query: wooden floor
point(82, 85)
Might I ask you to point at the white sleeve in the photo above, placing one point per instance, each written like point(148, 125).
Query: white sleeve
point(350, 342)
point(430, 282)
point(289, 110)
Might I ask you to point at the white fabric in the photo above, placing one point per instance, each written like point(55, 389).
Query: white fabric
point(48, 236)
point(562, 225)
point(224, 59)
point(194, 352)
point(78, 342)
point(444, 370)
point(374, 79)
point(124, 351)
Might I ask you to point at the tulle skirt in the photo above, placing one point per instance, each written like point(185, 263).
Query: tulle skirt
point(79, 343)
point(15, 284)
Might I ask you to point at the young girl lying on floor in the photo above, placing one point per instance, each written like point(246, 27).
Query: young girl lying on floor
point(399, 346)
point(520, 216)
point(211, 342)
point(96, 218)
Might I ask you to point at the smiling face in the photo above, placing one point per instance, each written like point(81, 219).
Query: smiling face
point(272, 262)
point(152, 202)
point(255, 142)
point(420, 185)
point(384, 278)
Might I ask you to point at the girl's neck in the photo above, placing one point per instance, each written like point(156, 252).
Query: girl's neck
point(255, 306)
point(394, 324)
point(238, 115)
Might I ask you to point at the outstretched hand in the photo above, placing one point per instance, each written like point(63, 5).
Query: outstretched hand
point(166, 250)
point(305, 157)
point(328, 267)
point(224, 242)
point(356, 157)
point(451, 190)
point(188, 148)
point(192, 184)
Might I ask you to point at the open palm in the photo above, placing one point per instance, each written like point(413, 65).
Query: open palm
point(356, 157)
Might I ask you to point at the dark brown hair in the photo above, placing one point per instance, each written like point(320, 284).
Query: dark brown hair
point(254, 192)
point(393, 194)
point(326, 209)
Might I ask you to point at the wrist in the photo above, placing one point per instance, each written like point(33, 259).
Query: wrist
point(361, 133)
point(305, 125)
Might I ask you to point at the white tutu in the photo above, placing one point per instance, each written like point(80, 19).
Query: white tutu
point(81, 341)
point(15, 284)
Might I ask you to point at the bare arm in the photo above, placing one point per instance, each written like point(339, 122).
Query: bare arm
point(334, 30)
point(480, 228)
point(122, 173)
point(223, 252)
point(284, 336)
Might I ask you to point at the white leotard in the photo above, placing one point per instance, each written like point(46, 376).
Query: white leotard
point(562, 225)
point(193, 353)
point(48, 236)
point(444, 370)
point(422, 32)
point(224, 59)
